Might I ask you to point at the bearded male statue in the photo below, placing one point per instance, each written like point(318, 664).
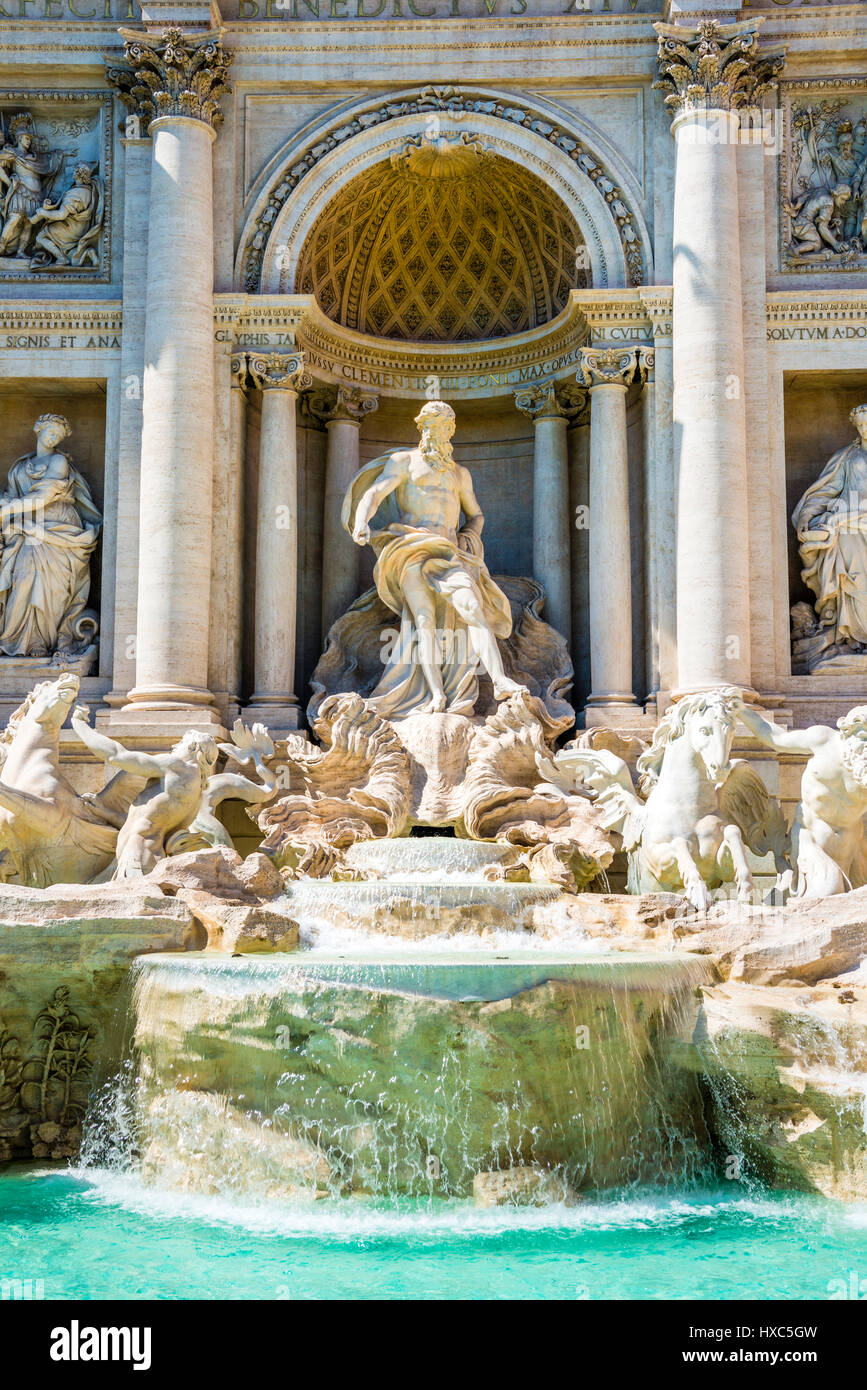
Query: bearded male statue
point(430, 571)
point(829, 845)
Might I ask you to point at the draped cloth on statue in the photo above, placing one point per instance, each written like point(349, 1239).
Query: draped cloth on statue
point(45, 561)
point(446, 564)
point(831, 522)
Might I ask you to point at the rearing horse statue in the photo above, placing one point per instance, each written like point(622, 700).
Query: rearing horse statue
point(49, 833)
point(688, 825)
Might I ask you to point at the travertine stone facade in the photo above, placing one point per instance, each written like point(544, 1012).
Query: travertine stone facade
point(625, 242)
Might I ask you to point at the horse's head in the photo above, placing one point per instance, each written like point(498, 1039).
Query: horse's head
point(51, 701)
point(709, 721)
point(705, 723)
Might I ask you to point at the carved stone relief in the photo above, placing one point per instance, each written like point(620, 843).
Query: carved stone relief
point(55, 185)
point(44, 1086)
point(823, 176)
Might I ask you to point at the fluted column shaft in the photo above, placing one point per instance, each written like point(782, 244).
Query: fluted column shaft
point(713, 604)
point(137, 168)
point(710, 72)
point(550, 408)
point(608, 373)
point(279, 377)
point(177, 422)
point(238, 464)
point(173, 84)
point(342, 411)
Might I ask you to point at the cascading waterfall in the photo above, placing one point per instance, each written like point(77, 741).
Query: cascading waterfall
point(787, 1095)
point(414, 888)
point(317, 1074)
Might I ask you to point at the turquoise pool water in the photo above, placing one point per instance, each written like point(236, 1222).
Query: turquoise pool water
point(102, 1235)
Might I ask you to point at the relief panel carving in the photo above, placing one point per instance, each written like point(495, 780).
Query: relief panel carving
point(55, 185)
point(823, 176)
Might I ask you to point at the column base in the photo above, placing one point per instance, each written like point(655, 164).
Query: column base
point(618, 711)
point(279, 713)
point(165, 711)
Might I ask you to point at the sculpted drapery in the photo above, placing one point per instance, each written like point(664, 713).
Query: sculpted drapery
point(431, 574)
point(50, 528)
point(831, 522)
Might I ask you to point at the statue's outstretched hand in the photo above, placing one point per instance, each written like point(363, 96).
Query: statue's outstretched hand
point(82, 713)
point(361, 533)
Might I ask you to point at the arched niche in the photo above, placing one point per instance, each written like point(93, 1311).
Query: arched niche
point(300, 181)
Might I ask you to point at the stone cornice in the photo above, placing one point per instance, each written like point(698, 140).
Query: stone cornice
point(339, 355)
point(823, 316)
point(460, 370)
point(72, 321)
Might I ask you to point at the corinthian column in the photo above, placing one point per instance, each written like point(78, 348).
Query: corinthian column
point(710, 72)
point(551, 407)
point(279, 376)
point(173, 84)
point(608, 373)
point(341, 409)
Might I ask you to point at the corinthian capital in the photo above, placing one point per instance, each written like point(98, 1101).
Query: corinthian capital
point(714, 67)
point(340, 403)
point(613, 366)
point(551, 401)
point(173, 74)
point(278, 371)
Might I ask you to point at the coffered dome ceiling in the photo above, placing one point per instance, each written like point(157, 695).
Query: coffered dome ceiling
point(445, 243)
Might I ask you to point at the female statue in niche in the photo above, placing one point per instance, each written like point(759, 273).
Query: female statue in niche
point(49, 527)
point(831, 522)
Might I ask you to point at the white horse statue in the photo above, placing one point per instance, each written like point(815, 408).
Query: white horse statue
point(687, 826)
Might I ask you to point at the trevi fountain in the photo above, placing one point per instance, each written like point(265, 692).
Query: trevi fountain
point(433, 649)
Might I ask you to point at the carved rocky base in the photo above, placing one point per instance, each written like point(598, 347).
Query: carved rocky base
point(479, 777)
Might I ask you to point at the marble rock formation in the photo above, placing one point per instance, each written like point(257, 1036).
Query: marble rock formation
point(785, 1077)
point(374, 778)
point(512, 1089)
point(65, 955)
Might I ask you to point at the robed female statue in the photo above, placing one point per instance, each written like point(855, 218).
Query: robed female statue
point(50, 528)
